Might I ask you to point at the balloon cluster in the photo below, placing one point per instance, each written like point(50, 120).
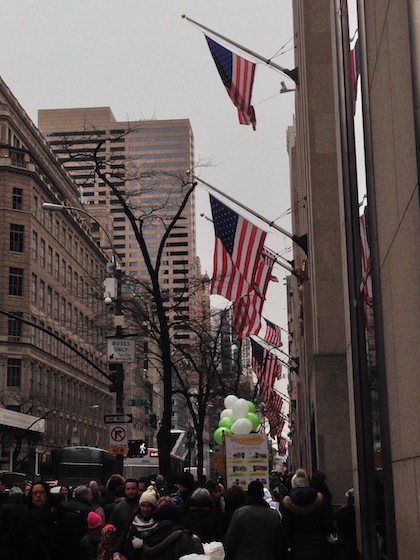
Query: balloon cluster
point(237, 418)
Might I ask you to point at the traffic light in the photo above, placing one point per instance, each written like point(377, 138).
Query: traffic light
point(210, 448)
point(137, 448)
point(116, 376)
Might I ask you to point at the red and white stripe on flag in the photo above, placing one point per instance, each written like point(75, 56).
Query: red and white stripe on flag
point(366, 286)
point(243, 72)
point(247, 310)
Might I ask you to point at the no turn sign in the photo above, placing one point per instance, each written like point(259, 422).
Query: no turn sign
point(118, 435)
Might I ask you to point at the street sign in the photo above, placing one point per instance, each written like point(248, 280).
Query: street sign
point(118, 418)
point(118, 450)
point(118, 435)
point(137, 402)
point(121, 351)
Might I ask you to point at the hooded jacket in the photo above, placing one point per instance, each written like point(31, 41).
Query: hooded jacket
point(307, 522)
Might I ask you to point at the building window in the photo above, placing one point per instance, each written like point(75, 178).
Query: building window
point(42, 253)
point(57, 266)
point(70, 277)
point(49, 300)
point(17, 198)
point(35, 206)
point(63, 310)
point(63, 272)
point(34, 245)
point(16, 237)
point(56, 301)
point(14, 369)
point(41, 294)
point(33, 288)
point(49, 259)
point(15, 281)
point(14, 330)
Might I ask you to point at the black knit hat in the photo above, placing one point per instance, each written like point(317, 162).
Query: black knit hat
point(255, 488)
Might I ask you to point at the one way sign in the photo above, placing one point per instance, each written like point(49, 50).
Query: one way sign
point(118, 418)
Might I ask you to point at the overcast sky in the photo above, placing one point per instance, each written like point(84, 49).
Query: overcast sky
point(143, 60)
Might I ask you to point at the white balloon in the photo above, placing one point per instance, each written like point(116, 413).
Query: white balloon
point(241, 426)
point(230, 400)
point(228, 412)
point(240, 409)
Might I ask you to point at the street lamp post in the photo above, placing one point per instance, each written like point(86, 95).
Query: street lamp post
point(118, 383)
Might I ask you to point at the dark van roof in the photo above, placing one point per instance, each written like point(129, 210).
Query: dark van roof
point(13, 478)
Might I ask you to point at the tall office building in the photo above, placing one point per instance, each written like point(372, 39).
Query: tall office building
point(146, 162)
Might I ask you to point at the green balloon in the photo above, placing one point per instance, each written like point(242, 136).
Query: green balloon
point(251, 406)
point(226, 422)
point(218, 435)
point(255, 421)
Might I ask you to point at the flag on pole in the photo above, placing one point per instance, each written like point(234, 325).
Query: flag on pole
point(237, 75)
point(366, 285)
point(272, 334)
point(266, 367)
point(247, 310)
point(237, 252)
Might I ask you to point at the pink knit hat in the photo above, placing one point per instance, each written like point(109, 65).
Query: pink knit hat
point(94, 520)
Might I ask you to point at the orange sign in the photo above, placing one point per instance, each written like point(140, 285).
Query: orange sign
point(118, 450)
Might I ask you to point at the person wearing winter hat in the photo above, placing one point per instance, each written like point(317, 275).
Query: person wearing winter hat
point(185, 487)
point(90, 541)
point(140, 526)
point(162, 536)
point(300, 479)
point(307, 519)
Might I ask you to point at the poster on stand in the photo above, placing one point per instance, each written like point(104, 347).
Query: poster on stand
point(246, 459)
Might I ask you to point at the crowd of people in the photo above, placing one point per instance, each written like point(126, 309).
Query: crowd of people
point(151, 519)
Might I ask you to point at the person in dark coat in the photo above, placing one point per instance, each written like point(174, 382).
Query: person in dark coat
point(255, 531)
point(307, 520)
point(185, 487)
point(45, 528)
point(124, 510)
point(15, 525)
point(235, 497)
point(90, 542)
point(202, 519)
point(160, 536)
point(75, 514)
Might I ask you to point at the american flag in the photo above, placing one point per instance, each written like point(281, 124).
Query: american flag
point(247, 310)
point(282, 445)
point(238, 78)
point(266, 367)
point(366, 285)
point(272, 333)
point(237, 251)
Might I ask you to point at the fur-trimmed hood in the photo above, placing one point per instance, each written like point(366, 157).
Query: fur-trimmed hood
point(303, 501)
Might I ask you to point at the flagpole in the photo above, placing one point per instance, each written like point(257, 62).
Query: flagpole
point(292, 74)
point(301, 241)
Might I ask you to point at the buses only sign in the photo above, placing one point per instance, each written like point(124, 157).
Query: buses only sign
point(121, 351)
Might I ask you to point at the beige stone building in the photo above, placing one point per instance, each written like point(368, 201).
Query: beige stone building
point(355, 411)
point(52, 345)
